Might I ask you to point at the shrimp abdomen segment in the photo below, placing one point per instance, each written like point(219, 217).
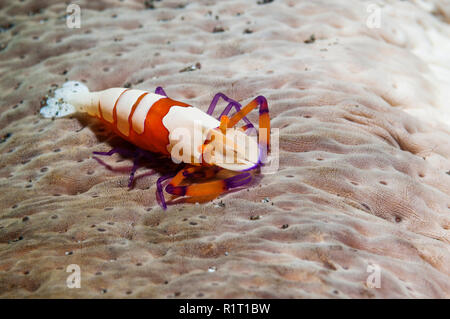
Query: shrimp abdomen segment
point(107, 102)
point(125, 107)
point(136, 116)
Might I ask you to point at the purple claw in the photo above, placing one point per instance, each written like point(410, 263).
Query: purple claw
point(238, 180)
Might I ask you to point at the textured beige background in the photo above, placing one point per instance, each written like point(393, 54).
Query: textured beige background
point(364, 151)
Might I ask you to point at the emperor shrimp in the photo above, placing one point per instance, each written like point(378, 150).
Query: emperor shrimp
point(158, 124)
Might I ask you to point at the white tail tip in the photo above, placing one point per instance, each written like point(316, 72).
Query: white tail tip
point(57, 106)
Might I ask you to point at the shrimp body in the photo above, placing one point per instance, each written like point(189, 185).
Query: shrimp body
point(157, 123)
point(147, 119)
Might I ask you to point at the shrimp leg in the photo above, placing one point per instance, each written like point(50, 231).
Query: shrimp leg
point(199, 190)
point(264, 123)
point(159, 90)
point(231, 103)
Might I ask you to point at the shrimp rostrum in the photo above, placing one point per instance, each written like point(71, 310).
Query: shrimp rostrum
point(153, 122)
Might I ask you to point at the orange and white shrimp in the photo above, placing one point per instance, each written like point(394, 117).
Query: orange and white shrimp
point(156, 123)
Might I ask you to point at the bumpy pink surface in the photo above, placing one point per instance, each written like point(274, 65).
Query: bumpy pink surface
point(364, 151)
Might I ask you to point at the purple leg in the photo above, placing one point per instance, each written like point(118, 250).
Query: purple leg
point(231, 103)
point(133, 171)
point(126, 153)
point(119, 150)
point(114, 169)
point(159, 90)
point(159, 189)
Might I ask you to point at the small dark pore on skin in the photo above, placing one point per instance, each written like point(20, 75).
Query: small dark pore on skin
point(218, 29)
point(311, 39)
point(6, 26)
point(5, 137)
point(149, 4)
point(264, 1)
